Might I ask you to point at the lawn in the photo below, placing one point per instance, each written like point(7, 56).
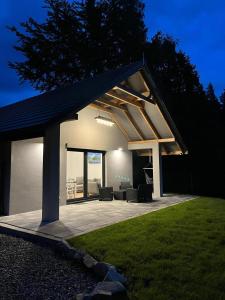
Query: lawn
point(175, 253)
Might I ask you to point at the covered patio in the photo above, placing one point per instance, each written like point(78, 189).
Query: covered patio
point(85, 134)
point(77, 219)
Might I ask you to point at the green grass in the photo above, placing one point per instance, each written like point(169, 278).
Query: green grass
point(174, 253)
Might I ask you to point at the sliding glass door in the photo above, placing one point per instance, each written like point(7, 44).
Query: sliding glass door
point(94, 173)
point(85, 174)
point(75, 175)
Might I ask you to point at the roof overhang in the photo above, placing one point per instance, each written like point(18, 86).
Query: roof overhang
point(127, 94)
point(138, 110)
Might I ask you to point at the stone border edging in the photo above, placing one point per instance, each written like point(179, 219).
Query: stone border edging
point(112, 283)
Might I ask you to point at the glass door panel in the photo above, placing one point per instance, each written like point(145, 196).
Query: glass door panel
point(94, 173)
point(75, 175)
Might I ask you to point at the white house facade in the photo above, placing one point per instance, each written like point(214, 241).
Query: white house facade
point(60, 147)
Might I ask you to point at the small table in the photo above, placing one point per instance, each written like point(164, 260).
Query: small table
point(120, 195)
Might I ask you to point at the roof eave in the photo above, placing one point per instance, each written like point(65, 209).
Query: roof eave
point(159, 101)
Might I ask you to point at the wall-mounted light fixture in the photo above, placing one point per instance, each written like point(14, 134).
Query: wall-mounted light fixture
point(104, 121)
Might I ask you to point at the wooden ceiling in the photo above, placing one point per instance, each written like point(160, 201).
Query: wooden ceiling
point(121, 97)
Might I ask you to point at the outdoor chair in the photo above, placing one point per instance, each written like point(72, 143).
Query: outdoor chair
point(106, 194)
point(142, 194)
point(121, 193)
point(79, 184)
point(124, 185)
point(93, 188)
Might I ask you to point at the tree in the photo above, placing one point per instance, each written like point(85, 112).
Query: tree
point(179, 84)
point(79, 39)
point(222, 101)
point(83, 38)
point(214, 104)
point(190, 107)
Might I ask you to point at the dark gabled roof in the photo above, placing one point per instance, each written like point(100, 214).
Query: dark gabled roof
point(30, 117)
point(50, 107)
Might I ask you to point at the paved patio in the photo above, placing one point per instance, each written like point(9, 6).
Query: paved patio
point(77, 219)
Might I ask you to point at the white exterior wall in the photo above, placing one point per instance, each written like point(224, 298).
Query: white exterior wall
point(26, 176)
point(27, 160)
point(119, 167)
point(86, 133)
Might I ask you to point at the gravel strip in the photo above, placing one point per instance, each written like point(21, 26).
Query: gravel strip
point(30, 271)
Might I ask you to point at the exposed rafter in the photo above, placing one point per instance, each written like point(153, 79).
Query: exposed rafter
point(133, 93)
point(149, 123)
point(109, 103)
point(167, 140)
point(100, 107)
point(118, 97)
point(134, 124)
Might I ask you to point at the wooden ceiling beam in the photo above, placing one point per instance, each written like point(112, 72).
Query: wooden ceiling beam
point(128, 101)
point(100, 107)
point(166, 140)
point(105, 102)
point(134, 124)
point(149, 123)
point(131, 92)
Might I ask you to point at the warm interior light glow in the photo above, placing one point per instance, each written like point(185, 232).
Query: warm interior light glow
point(120, 149)
point(104, 121)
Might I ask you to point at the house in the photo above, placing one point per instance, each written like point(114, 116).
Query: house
point(62, 144)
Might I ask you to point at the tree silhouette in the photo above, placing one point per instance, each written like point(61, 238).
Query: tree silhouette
point(82, 38)
point(179, 84)
point(196, 113)
point(222, 101)
point(79, 39)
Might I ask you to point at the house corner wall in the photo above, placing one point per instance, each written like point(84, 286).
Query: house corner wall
point(26, 176)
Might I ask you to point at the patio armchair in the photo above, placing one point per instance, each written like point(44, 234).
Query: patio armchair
point(124, 185)
point(121, 193)
point(93, 188)
point(79, 184)
point(106, 194)
point(142, 194)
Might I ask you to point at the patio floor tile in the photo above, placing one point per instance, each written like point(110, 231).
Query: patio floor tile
point(77, 219)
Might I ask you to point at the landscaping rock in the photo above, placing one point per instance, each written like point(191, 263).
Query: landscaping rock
point(101, 269)
point(84, 297)
point(64, 248)
point(106, 291)
point(113, 275)
point(89, 261)
point(109, 290)
point(108, 272)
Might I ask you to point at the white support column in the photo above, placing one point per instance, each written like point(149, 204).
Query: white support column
point(157, 171)
point(51, 174)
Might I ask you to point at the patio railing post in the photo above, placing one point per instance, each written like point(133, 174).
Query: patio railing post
point(157, 171)
point(51, 174)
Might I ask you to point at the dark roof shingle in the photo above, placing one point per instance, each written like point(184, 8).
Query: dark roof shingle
point(54, 105)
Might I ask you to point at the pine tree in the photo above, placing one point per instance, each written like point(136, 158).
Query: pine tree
point(222, 101)
point(213, 101)
point(79, 39)
point(179, 84)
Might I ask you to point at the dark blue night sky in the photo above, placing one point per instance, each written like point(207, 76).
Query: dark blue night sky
point(198, 25)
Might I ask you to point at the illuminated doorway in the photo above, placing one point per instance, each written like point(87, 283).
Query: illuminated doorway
point(85, 174)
